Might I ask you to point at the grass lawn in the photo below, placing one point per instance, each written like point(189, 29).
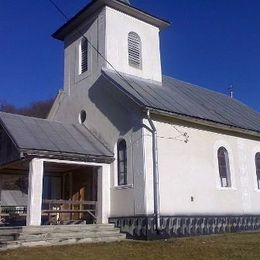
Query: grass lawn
point(227, 246)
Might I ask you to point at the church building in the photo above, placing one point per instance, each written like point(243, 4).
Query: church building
point(125, 144)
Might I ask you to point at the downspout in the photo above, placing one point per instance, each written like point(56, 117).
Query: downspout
point(155, 172)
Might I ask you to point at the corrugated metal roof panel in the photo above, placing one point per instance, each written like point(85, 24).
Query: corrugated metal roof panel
point(186, 99)
point(44, 135)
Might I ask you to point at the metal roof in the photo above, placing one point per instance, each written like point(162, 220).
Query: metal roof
point(178, 97)
point(96, 5)
point(42, 135)
point(13, 198)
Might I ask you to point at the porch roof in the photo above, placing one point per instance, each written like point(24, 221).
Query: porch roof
point(46, 138)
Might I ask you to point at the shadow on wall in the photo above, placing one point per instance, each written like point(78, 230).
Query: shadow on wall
point(119, 109)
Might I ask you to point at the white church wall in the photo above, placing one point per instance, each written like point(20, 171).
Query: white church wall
point(110, 117)
point(128, 200)
point(189, 176)
point(109, 114)
point(94, 30)
point(148, 169)
point(118, 26)
point(106, 118)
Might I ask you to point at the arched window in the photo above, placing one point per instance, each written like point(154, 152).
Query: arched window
point(224, 168)
point(122, 162)
point(134, 50)
point(83, 56)
point(257, 165)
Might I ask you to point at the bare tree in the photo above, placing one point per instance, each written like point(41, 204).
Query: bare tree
point(36, 109)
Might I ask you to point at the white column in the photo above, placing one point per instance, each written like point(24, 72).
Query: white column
point(34, 205)
point(103, 194)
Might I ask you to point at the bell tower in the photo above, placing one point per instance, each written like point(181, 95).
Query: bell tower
point(110, 32)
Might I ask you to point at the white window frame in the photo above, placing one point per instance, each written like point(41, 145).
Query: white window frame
point(125, 172)
point(217, 145)
point(116, 185)
point(227, 177)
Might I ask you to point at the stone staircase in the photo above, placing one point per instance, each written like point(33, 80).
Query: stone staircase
point(12, 237)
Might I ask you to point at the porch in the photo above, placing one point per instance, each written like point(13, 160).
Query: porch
point(51, 192)
point(52, 173)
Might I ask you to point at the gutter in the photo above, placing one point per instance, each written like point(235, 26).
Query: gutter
point(155, 172)
point(206, 122)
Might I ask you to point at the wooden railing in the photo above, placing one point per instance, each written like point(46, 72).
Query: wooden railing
point(55, 209)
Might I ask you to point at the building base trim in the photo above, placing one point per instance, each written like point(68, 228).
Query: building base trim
point(144, 227)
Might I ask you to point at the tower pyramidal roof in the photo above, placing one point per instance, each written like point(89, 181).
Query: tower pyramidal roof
point(95, 6)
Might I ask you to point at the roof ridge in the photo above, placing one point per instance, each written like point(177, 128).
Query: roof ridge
point(37, 118)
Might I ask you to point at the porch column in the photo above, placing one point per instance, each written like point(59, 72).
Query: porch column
point(103, 194)
point(34, 205)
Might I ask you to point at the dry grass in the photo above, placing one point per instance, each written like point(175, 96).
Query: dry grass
point(228, 246)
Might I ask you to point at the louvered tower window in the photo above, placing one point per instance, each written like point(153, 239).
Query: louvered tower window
point(224, 168)
point(134, 50)
point(83, 55)
point(257, 165)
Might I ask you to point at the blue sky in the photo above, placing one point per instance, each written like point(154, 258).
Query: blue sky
point(212, 43)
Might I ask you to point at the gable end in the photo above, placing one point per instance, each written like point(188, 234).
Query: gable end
point(8, 149)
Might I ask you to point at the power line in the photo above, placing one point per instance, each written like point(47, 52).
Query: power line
point(119, 74)
point(98, 52)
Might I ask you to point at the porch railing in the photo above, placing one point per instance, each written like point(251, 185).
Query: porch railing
point(55, 209)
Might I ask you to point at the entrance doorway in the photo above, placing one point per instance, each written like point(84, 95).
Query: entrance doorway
point(69, 194)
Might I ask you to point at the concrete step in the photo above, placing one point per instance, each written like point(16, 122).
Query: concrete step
point(8, 237)
point(72, 235)
point(9, 230)
point(66, 229)
point(59, 235)
point(61, 241)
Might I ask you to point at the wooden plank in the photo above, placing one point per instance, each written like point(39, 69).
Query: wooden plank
point(67, 211)
point(69, 202)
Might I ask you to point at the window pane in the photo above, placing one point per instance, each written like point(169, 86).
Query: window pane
point(224, 182)
point(224, 168)
point(122, 163)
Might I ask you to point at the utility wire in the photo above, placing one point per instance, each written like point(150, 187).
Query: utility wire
point(98, 52)
point(116, 71)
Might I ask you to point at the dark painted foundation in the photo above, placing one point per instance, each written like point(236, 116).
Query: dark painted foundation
point(144, 228)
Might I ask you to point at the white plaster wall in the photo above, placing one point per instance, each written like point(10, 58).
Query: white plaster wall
point(94, 30)
point(191, 170)
point(129, 200)
point(110, 117)
point(118, 25)
point(148, 169)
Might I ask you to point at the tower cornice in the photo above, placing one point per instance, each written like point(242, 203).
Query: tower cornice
point(96, 5)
